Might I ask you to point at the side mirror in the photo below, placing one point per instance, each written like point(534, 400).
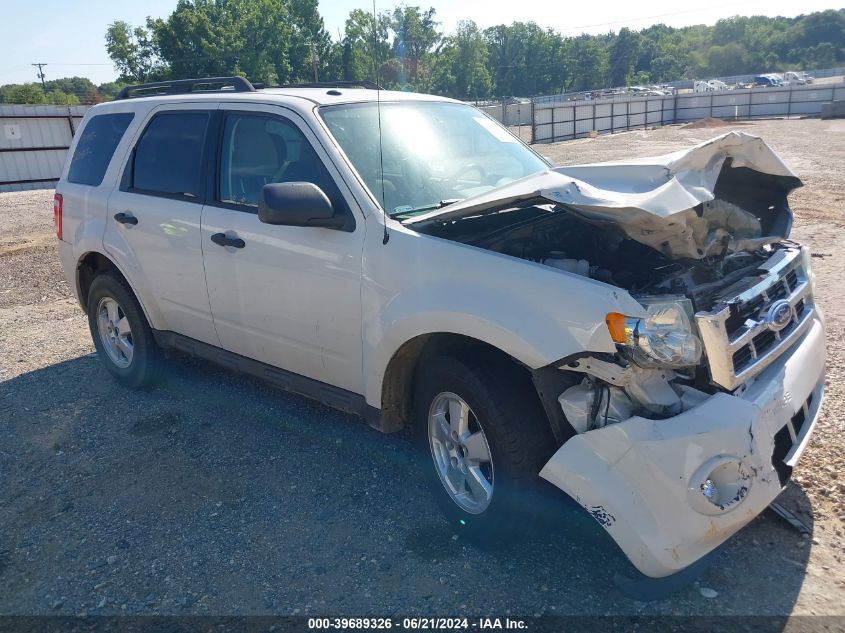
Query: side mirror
point(297, 204)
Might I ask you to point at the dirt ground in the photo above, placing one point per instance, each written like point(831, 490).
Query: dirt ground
point(215, 494)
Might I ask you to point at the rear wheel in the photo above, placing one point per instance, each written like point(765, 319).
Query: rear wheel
point(121, 334)
point(485, 438)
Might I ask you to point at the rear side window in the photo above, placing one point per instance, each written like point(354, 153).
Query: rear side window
point(168, 158)
point(96, 146)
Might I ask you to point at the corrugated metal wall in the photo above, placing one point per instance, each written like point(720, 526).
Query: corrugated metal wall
point(574, 119)
point(33, 144)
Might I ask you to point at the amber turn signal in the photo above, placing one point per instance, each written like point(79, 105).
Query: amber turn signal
point(616, 325)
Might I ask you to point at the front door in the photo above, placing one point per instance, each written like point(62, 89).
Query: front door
point(283, 295)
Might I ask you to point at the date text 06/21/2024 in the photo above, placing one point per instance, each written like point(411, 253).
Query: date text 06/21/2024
point(421, 623)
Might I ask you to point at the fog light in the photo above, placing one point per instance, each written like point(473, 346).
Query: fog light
point(709, 490)
point(719, 485)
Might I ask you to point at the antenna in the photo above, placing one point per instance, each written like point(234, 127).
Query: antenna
point(386, 236)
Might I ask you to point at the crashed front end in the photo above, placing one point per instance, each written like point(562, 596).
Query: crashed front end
point(669, 489)
point(693, 426)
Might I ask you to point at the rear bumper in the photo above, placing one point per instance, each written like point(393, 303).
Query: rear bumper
point(641, 479)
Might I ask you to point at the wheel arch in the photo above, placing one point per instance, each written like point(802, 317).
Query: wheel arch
point(94, 263)
point(397, 385)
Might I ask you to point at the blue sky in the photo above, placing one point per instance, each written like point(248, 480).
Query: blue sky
point(69, 34)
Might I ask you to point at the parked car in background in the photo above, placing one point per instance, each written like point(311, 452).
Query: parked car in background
point(768, 81)
point(797, 78)
point(641, 334)
point(710, 86)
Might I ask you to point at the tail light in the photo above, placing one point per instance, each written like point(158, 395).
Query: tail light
point(57, 214)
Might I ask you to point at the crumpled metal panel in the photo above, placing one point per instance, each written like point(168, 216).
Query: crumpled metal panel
point(651, 199)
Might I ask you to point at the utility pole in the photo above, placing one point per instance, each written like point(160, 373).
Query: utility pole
point(314, 62)
point(41, 74)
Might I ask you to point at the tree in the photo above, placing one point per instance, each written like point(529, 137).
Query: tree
point(23, 93)
point(415, 36)
point(587, 61)
point(310, 44)
point(210, 38)
point(270, 41)
point(472, 79)
point(623, 56)
point(133, 53)
point(365, 45)
point(110, 90)
point(280, 41)
point(730, 59)
point(59, 97)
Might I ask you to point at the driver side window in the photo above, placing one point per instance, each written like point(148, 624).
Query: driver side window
point(258, 150)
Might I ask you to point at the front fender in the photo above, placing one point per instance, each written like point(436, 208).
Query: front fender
point(532, 312)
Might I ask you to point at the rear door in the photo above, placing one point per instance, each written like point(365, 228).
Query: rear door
point(289, 296)
point(153, 228)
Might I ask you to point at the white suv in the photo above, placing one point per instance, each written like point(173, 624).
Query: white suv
point(642, 335)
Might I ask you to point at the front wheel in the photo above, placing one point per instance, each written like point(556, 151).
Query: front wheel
point(486, 437)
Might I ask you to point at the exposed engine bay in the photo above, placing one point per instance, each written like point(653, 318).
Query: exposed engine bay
point(564, 240)
point(693, 233)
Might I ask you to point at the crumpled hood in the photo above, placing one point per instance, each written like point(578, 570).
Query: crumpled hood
point(656, 200)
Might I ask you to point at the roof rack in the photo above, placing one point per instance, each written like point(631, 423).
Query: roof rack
point(187, 86)
point(364, 83)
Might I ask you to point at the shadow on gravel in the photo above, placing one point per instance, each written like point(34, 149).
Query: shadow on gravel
point(215, 494)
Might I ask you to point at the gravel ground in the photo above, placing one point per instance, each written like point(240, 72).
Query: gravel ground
point(214, 494)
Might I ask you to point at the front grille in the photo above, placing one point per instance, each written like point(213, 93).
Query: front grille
point(753, 307)
point(738, 338)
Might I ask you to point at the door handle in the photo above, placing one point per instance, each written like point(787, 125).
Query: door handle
point(125, 218)
point(222, 240)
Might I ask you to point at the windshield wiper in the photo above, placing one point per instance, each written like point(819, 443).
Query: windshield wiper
point(408, 211)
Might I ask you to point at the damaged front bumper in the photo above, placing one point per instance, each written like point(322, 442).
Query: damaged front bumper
point(670, 491)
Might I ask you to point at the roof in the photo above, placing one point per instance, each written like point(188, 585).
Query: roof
point(318, 96)
point(300, 99)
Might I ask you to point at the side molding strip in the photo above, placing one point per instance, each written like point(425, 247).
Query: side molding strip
point(334, 397)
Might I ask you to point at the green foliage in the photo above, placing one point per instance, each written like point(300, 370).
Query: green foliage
point(622, 57)
point(404, 48)
point(587, 62)
point(415, 36)
point(22, 93)
point(465, 61)
point(67, 91)
point(285, 41)
point(366, 47)
point(133, 52)
point(270, 41)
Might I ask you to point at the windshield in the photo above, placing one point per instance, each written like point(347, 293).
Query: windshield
point(433, 152)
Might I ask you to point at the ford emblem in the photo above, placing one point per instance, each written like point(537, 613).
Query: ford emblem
point(778, 315)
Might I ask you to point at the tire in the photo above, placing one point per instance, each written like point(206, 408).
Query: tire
point(504, 406)
point(131, 356)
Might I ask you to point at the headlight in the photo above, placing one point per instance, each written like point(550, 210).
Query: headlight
point(664, 338)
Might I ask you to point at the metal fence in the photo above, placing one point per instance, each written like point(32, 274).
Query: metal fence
point(34, 140)
point(509, 113)
point(562, 121)
point(683, 84)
